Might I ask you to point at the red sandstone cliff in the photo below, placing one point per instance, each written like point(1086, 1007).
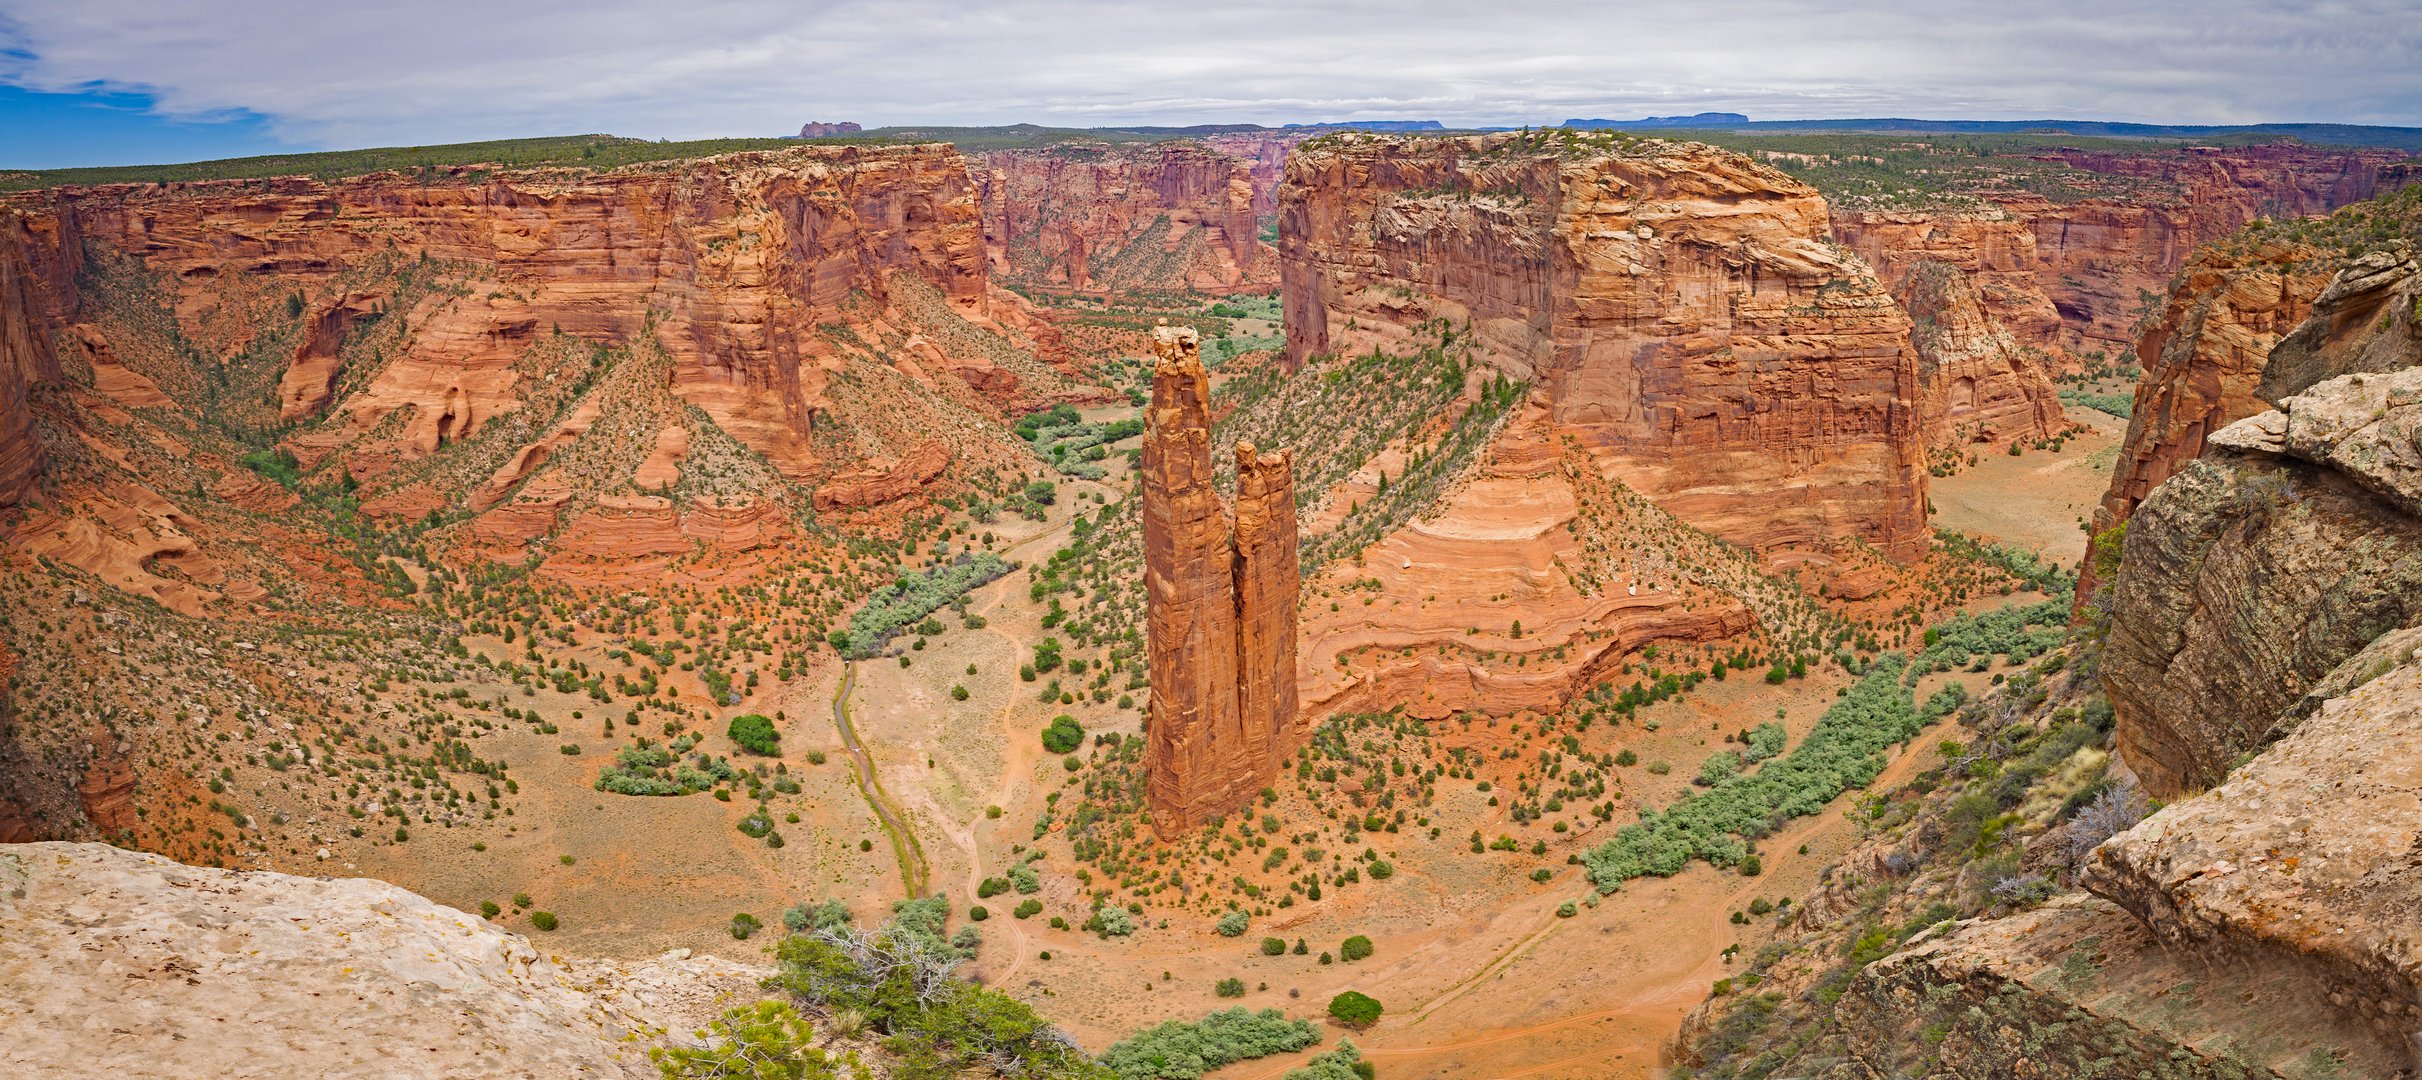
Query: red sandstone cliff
point(1678, 309)
point(26, 357)
point(1219, 610)
point(1265, 156)
point(731, 262)
point(2203, 355)
point(1978, 383)
point(1089, 216)
point(1268, 580)
point(2074, 274)
point(476, 308)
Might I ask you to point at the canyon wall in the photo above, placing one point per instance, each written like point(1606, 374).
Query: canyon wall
point(731, 262)
point(27, 356)
point(1676, 308)
point(1979, 385)
point(1090, 217)
point(2308, 516)
point(1265, 156)
point(1219, 604)
point(2203, 355)
point(2075, 273)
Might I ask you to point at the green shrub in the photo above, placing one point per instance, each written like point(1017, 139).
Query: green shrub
point(1230, 988)
point(765, 1041)
point(1233, 924)
point(1343, 1063)
point(897, 977)
point(1355, 948)
point(1028, 908)
point(1271, 946)
point(543, 920)
point(1175, 1050)
point(489, 910)
point(910, 598)
point(1843, 751)
point(755, 733)
point(743, 925)
point(1063, 736)
point(1110, 922)
point(1355, 1009)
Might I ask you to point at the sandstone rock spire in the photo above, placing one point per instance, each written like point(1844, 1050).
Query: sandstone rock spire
point(1219, 604)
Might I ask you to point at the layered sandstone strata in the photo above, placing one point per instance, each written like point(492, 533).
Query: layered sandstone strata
point(1219, 604)
point(27, 356)
point(1090, 216)
point(2292, 544)
point(731, 263)
point(2301, 865)
point(1677, 308)
point(2203, 355)
point(1265, 156)
point(1533, 581)
point(1978, 384)
point(2004, 997)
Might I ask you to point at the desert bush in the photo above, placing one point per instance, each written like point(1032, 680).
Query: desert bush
point(1063, 736)
point(1355, 948)
point(1176, 1050)
point(1355, 1009)
point(755, 733)
point(1233, 924)
point(765, 1041)
point(1843, 751)
point(1343, 1063)
point(912, 597)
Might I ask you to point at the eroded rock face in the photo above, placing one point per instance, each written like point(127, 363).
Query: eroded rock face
point(1219, 605)
point(2203, 355)
point(2291, 545)
point(731, 262)
point(1978, 384)
point(1268, 580)
point(27, 356)
point(2070, 275)
point(1677, 308)
point(2304, 860)
point(1088, 217)
point(2366, 320)
point(2080, 988)
point(233, 973)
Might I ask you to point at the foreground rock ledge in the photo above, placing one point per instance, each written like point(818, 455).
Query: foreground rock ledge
point(119, 963)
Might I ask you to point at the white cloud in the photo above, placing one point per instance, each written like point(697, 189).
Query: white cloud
point(353, 74)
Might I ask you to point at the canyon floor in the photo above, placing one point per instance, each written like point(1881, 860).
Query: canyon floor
point(1479, 973)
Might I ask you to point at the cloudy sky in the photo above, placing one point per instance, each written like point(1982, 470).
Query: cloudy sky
point(122, 81)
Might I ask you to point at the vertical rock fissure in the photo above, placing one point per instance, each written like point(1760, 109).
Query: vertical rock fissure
point(1220, 601)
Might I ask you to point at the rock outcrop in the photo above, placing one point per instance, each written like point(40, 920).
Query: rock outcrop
point(1677, 308)
point(27, 356)
point(2308, 517)
point(2070, 274)
point(1978, 384)
point(1086, 217)
point(2078, 987)
point(2203, 355)
point(1219, 604)
point(2302, 864)
point(731, 263)
point(229, 973)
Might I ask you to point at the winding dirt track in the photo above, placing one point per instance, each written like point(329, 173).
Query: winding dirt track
point(913, 871)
